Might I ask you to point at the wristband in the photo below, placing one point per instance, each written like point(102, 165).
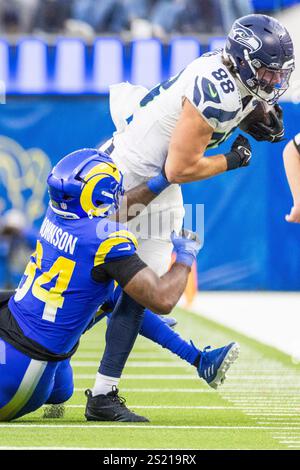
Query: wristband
point(158, 183)
point(233, 160)
point(185, 258)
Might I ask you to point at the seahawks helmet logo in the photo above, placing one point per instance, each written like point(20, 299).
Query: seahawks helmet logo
point(246, 37)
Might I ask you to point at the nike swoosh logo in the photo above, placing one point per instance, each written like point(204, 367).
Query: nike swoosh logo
point(213, 93)
point(127, 248)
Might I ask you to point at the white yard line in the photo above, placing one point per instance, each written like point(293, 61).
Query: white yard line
point(90, 448)
point(135, 364)
point(168, 407)
point(142, 377)
point(142, 426)
point(81, 355)
point(158, 390)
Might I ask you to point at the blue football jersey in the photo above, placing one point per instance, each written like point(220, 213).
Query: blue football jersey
point(57, 296)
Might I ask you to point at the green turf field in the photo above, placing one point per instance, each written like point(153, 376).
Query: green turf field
point(257, 408)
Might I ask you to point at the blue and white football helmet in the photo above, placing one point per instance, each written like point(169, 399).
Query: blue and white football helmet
point(261, 53)
point(85, 183)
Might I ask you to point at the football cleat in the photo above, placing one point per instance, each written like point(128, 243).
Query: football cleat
point(110, 407)
point(215, 363)
point(54, 411)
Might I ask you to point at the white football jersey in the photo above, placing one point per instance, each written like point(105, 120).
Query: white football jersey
point(146, 119)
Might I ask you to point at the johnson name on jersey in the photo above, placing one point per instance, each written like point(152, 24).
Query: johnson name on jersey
point(58, 294)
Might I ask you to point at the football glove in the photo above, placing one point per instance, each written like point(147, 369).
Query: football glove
point(272, 132)
point(186, 246)
point(240, 153)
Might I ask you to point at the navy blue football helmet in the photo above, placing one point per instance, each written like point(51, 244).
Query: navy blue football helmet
point(261, 53)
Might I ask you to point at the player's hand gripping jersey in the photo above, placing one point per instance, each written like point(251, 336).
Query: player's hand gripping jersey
point(145, 120)
point(65, 280)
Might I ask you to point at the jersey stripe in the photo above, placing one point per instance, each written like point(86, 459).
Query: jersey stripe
point(196, 94)
point(25, 391)
point(219, 114)
point(127, 234)
point(108, 244)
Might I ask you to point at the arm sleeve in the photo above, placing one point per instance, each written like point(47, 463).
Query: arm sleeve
point(122, 270)
point(297, 142)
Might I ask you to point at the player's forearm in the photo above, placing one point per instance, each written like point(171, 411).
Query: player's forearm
point(159, 294)
point(173, 283)
point(135, 200)
point(291, 160)
point(182, 170)
point(203, 168)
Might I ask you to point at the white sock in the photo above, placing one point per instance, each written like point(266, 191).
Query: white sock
point(103, 384)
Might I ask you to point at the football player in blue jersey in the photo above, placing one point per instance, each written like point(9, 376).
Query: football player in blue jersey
point(79, 255)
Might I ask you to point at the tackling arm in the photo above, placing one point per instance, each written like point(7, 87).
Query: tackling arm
point(133, 199)
point(162, 294)
point(159, 294)
point(291, 158)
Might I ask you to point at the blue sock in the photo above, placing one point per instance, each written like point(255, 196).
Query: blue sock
point(154, 328)
point(122, 330)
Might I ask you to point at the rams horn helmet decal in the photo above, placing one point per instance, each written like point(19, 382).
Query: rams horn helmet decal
point(85, 183)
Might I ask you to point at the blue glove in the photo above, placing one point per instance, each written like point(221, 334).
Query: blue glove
point(186, 246)
point(158, 183)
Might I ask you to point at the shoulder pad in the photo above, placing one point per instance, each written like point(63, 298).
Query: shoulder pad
point(215, 95)
point(118, 244)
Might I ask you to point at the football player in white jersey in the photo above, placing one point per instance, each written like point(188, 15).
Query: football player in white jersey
point(164, 133)
point(291, 158)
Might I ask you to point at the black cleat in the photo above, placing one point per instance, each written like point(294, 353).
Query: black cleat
point(110, 407)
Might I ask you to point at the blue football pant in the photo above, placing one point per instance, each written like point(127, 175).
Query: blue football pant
point(27, 384)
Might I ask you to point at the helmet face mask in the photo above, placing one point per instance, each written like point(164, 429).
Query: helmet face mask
point(85, 183)
point(261, 52)
point(269, 83)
